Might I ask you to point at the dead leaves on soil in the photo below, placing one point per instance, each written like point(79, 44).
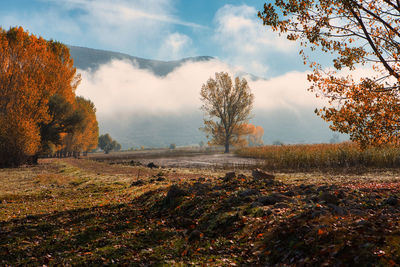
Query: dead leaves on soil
point(237, 221)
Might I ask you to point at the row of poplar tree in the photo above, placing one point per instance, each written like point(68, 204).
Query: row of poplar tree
point(39, 111)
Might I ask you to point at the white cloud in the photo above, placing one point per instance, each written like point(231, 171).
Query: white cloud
point(245, 42)
point(285, 92)
point(176, 46)
point(122, 11)
point(124, 94)
point(125, 25)
point(136, 27)
point(121, 88)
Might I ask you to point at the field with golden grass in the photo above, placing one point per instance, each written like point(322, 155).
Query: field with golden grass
point(323, 156)
point(85, 212)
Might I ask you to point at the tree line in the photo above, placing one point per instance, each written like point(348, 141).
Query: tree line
point(39, 111)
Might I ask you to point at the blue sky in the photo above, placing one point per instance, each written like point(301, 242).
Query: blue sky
point(161, 29)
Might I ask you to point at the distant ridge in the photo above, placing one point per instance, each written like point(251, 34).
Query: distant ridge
point(89, 58)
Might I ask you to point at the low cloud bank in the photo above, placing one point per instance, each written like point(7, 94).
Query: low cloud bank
point(122, 88)
point(138, 107)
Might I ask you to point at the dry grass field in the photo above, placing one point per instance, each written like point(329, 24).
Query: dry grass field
point(85, 212)
point(345, 156)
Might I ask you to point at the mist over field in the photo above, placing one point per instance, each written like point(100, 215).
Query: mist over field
point(141, 107)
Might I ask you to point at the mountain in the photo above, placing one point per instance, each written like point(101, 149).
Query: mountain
point(88, 58)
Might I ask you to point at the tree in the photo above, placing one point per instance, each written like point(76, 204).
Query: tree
point(32, 70)
point(84, 137)
point(355, 32)
point(227, 107)
point(91, 132)
point(64, 119)
point(115, 145)
point(255, 135)
point(19, 92)
point(107, 144)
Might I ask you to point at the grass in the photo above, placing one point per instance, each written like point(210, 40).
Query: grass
point(323, 156)
point(82, 212)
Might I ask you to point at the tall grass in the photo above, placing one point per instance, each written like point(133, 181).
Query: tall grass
point(322, 156)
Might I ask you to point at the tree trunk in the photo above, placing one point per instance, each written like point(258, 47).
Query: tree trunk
point(226, 146)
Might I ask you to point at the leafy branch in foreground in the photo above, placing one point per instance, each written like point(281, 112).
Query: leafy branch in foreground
point(355, 32)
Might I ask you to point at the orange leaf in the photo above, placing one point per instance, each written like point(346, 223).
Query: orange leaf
point(184, 253)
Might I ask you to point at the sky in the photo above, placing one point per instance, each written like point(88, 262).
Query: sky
point(161, 29)
point(228, 30)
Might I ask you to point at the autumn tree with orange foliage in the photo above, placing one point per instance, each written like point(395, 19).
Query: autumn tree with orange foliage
point(254, 135)
point(33, 72)
point(227, 107)
point(356, 32)
point(88, 137)
point(245, 134)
